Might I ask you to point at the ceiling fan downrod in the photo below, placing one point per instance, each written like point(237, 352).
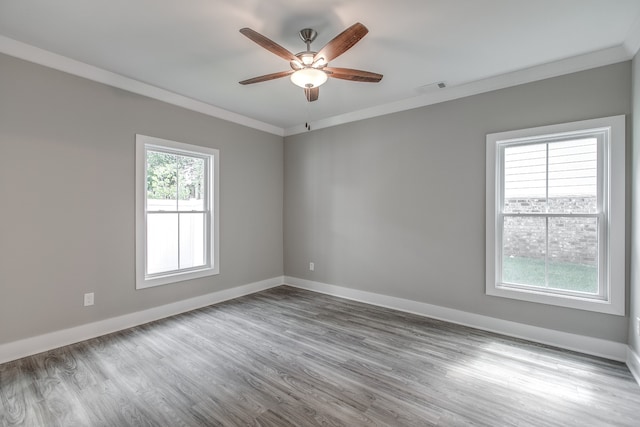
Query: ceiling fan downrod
point(308, 35)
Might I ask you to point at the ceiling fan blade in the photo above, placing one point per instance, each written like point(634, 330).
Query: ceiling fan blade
point(353, 75)
point(267, 77)
point(312, 93)
point(342, 42)
point(269, 44)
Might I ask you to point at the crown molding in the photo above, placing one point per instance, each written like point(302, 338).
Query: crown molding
point(632, 42)
point(574, 64)
point(43, 57)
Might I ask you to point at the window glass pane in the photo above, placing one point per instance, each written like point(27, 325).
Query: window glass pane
point(162, 242)
point(524, 251)
point(573, 173)
point(573, 254)
point(176, 211)
point(525, 175)
point(192, 243)
point(555, 214)
point(191, 185)
point(162, 182)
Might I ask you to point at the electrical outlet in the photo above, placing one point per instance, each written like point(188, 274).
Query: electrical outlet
point(88, 299)
point(312, 266)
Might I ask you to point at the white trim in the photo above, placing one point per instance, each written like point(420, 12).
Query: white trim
point(29, 346)
point(633, 362)
point(213, 239)
point(594, 346)
point(588, 345)
point(632, 41)
point(30, 53)
point(614, 170)
point(574, 64)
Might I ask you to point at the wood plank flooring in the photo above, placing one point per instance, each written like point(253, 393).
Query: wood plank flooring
point(287, 357)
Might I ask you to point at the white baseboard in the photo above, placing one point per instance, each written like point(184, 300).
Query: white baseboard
point(38, 344)
point(588, 345)
point(594, 346)
point(633, 362)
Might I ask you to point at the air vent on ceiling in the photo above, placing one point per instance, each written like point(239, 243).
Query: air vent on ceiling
point(431, 87)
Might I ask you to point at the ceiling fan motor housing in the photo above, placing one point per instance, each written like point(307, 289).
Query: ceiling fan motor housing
point(308, 35)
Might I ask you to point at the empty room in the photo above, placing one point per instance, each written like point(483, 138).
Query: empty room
point(319, 213)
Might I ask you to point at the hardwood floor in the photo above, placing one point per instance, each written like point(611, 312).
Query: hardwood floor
point(287, 357)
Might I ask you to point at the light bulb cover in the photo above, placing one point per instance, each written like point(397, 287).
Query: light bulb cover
point(306, 58)
point(309, 77)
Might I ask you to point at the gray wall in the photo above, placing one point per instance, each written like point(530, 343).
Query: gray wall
point(67, 199)
point(393, 205)
point(396, 204)
point(634, 340)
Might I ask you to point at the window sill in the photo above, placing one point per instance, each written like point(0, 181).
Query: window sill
point(569, 301)
point(143, 283)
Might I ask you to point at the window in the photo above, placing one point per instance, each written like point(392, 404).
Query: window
point(556, 215)
point(176, 211)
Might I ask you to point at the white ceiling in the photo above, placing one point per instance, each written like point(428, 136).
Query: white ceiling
point(192, 50)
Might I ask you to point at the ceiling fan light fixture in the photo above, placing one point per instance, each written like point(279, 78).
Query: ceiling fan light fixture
point(319, 63)
point(307, 58)
point(309, 77)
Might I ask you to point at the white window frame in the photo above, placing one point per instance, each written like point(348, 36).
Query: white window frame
point(611, 214)
point(212, 265)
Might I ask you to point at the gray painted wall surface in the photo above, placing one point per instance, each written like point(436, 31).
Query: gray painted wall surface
point(393, 205)
point(396, 204)
point(634, 341)
point(67, 199)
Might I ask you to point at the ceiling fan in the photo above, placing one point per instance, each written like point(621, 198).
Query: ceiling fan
point(310, 69)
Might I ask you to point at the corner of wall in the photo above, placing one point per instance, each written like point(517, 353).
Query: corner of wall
point(633, 362)
point(634, 288)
